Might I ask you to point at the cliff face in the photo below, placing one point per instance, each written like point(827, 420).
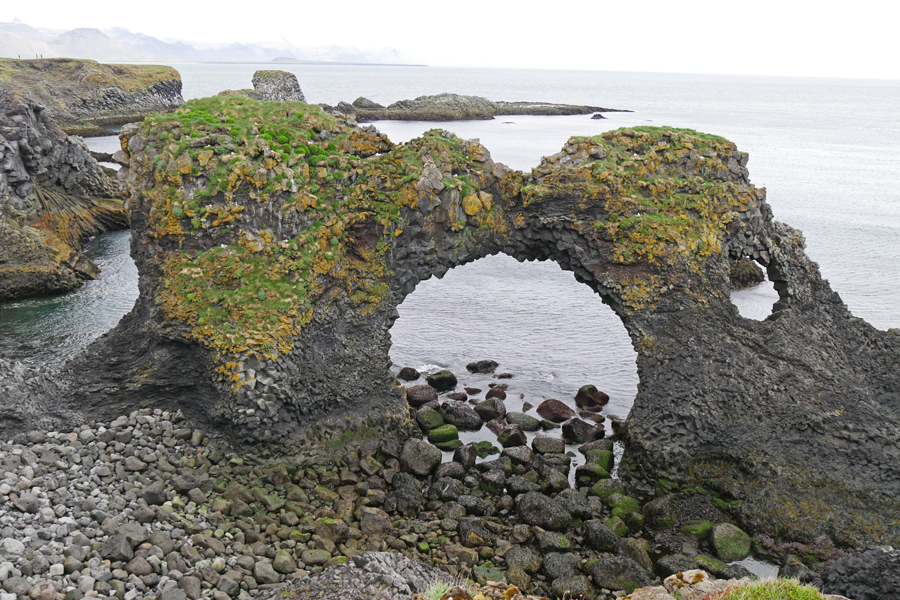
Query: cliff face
point(52, 195)
point(274, 244)
point(83, 95)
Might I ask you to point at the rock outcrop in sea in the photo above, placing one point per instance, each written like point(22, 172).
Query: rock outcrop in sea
point(53, 195)
point(83, 96)
point(456, 107)
point(274, 243)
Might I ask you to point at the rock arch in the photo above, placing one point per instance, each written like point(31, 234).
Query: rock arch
point(275, 242)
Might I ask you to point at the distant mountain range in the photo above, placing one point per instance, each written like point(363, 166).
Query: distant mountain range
point(117, 44)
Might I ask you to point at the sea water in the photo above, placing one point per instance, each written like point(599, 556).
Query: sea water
point(825, 149)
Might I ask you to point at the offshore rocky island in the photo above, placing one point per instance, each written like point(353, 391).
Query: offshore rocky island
point(241, 426)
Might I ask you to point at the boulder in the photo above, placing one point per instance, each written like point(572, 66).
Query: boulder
point(461, 415)
point(482, 366)
point(418, 395)
point(618, 573)
point(492, 408)
point(576, 431)
point(542, 511)
point(279, 86)
point(590, 398)
point(419, 457)
point(442, 381)
point(730, 542)
point(526, 422)
point(511, 435)
point(408, 374)
point(555, 411)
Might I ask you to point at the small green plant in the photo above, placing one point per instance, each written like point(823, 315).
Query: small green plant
point(773, 589)
point(436, 590)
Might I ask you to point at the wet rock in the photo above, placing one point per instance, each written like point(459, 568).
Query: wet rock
point(461, 415)
point(555, 411)
point(442, 381)
point(451, 469)
point(543, 444)
point(408, 374)
point(493, 482)
point(419, 457)
point(482, 366)
point(466, 456)
point(519, 455)
point(418, 395)
point(497, 392)
point(428, 418)
point(519, 485)
point(590, 473)
point(458, 396)
point(444, 433)
point(511, 435)
point(577, 431)
point(526, 422)
point(492, 408)
point(590, 398)
point(539, 510)
point(730, 542)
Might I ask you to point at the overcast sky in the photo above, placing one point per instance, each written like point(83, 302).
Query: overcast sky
point(761, 37)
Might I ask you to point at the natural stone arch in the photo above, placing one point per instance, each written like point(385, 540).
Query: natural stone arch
point(247, 212)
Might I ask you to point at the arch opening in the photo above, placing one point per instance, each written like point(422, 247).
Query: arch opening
point(548, 332)
point(752, 291)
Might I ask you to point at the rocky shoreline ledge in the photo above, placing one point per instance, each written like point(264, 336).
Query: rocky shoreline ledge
point(147, 506)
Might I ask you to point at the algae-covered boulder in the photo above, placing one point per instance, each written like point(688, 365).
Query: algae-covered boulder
point(730, 542)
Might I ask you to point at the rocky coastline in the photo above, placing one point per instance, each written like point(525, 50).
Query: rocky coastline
point(148, 506)
point(85, 97)
point(53, 195)
point(456, 107)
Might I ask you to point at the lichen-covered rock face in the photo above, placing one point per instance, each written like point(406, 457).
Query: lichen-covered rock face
point(83, 95)
point(274, 244)
point(52, 194)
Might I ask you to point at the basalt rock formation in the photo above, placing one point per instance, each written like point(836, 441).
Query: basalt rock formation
point(83, 96)
point(456, 107)
point(53, 194)
point(274, 243)
point(279, 86)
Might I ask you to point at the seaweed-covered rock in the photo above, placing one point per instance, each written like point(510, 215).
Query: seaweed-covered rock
point(590, 398)
point(730, 542)
point(442, 381)
point(461, 415)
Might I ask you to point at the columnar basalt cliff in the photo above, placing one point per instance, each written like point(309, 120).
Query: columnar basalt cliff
point(52, 195)
point(83, 96)
point(274, 244)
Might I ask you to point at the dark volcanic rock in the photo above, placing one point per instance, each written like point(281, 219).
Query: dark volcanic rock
point(526, 422)
point(591, 398)
point(408, 374)
point(511, 435)
point(482, 366)
point(419, 457)
point(53, 195)
point(462, 415)
point(805, 402)
point(418, 395)
point(537, 509)
point(492, 408)
point(576, 431)
point(442, 381)
point(278, 86)
point(868, 574)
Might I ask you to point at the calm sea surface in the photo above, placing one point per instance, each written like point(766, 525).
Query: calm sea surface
point(826, 150)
